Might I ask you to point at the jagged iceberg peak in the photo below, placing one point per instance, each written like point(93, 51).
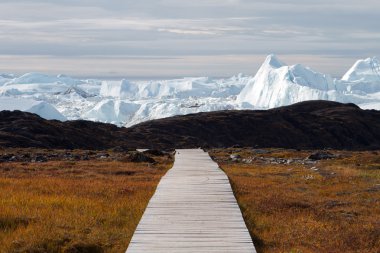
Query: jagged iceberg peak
point(277, 84)
point(297, 74)
point(273, 61)
point(367, 70)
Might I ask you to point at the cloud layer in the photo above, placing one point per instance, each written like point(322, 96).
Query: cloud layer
point(198, 37)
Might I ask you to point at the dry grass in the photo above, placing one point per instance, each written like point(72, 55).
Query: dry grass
point(74, 206)
point(332, 206)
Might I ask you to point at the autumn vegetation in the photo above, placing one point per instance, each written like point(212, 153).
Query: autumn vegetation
point(74, 206)
point(301, 206)
point(93, 203)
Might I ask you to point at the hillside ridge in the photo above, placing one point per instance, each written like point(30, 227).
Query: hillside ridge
point(311, 124)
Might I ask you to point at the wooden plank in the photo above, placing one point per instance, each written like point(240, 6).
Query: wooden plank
point(193, 210)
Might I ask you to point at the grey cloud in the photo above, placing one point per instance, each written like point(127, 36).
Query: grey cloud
point(203, 28)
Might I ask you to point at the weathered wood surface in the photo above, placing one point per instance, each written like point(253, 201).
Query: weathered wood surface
point(193, 210)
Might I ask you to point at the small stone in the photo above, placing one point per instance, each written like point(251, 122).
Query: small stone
point(153, 152)
point(235, 157)
point(139, 157)
point(321, 155)
point(40, 159)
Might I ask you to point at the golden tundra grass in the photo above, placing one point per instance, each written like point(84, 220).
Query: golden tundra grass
point(293, 208)
point(64, 206)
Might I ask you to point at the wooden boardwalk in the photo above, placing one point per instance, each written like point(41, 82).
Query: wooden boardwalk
point(193, 210)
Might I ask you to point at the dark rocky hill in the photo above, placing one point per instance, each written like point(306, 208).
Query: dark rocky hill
point(21, 129)
point(312, 124)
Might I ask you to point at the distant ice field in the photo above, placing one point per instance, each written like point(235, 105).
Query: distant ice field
point(126, 102)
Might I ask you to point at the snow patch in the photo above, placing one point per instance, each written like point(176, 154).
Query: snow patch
point(112, 111)
point(40, 108)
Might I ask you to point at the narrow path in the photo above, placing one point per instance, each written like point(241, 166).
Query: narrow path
point(193, 210)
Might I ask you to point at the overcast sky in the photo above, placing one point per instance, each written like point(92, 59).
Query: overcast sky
point(171, 38)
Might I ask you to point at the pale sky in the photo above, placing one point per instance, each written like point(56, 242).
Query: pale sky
point(173, 38)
